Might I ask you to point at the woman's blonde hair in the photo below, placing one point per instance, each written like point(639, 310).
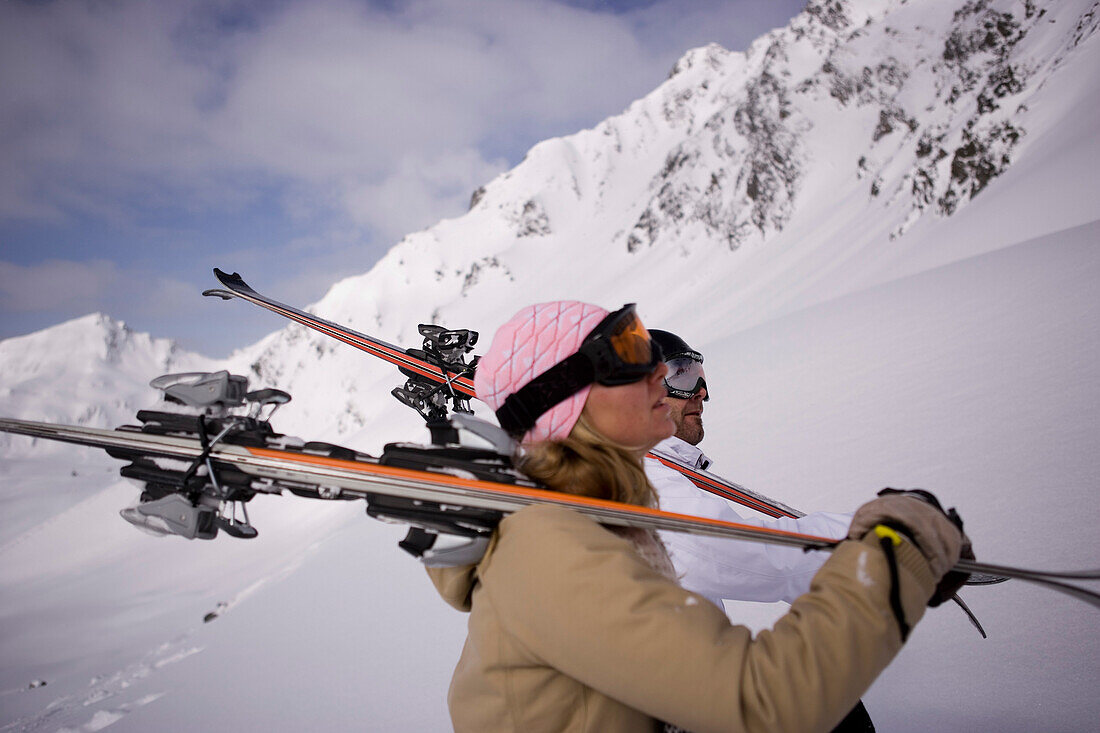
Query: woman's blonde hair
point(588, 464)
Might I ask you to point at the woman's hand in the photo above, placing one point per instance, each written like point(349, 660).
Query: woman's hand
point(938, 534)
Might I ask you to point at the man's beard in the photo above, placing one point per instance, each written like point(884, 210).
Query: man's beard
point(691, 430)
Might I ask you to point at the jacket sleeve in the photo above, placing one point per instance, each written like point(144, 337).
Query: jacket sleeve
point(739, 571)
point(581, 601)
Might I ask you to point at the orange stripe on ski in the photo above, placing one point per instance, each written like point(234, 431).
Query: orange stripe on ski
point(382, 350)
point(511, 490)
point(708, 484)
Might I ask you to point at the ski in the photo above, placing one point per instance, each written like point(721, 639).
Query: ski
point(447, 492)
point(236, 287)
point(457, 377)
point(353, 475)
point(727, 489)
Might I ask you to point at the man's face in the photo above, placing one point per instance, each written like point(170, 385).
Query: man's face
point(688, 416)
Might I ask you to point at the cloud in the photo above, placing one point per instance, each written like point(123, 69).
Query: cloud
point(302, 137)
point(84, 287)
point(58, 284)
point(410, 197)
point(110, 109)
point(347, 92)
point(92, 101)
point(674, 27)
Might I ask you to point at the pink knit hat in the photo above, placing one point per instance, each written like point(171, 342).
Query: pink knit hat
point(535, 339)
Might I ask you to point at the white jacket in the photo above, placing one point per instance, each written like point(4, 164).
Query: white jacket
point(732, 569)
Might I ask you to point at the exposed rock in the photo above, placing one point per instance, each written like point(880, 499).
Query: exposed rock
point(532, 220)
point(478, 269)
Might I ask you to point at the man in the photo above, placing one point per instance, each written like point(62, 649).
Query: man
point(717, 568)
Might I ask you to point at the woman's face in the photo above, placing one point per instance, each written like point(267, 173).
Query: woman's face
point(635, 415)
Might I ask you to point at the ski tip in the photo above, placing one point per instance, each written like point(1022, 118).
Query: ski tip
point(228, 279)
point(219, 293)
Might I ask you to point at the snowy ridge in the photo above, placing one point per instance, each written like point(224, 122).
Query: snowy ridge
point(89, 371)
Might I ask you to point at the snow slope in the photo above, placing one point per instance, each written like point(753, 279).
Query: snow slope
point(977, 379)
point(909, 333)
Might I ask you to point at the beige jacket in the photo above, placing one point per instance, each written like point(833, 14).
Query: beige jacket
point(570, 630)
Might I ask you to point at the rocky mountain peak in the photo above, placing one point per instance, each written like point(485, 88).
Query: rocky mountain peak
point(712, 57)
point(942, 92)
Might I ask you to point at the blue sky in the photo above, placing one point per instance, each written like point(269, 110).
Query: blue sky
point(142, 144)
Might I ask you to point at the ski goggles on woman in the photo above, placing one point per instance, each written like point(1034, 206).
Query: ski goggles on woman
point(685, 376)
point(617, 351)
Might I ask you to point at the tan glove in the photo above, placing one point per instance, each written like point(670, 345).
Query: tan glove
point(938, 538)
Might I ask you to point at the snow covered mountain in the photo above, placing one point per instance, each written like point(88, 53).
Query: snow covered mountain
point(879, 224)
point(769, 181)
point(88, 371)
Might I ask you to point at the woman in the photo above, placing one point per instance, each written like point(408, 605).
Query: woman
point(578, 627)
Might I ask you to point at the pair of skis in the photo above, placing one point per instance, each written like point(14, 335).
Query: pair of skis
point(435, 489)
point(195, 467)
point(453, 380)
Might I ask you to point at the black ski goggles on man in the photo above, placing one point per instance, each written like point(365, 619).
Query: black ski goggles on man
point(617, 351)
point(685, 376)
